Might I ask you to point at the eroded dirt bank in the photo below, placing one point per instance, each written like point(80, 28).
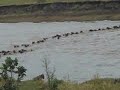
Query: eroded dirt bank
point(75, 11)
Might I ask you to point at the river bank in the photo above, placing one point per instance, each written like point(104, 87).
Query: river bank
point(60, 18)
point(95, 84)
point(64, 11)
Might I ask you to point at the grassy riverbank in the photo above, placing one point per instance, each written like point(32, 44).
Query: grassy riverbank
point(37, 18)
point(62, 11)
point(96, 84)
point(20, 2)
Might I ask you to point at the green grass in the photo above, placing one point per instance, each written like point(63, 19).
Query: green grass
point(96, 84)
point(17, 2)
point(62, 17)
point(9, 2)
point(33, 85)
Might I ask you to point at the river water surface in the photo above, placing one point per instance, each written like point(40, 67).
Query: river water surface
point(77, 57)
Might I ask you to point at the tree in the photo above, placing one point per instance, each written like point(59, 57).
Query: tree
point(50, 74)
point(8, 69)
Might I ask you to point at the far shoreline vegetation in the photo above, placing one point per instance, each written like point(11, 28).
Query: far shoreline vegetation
point(9, 82)
point(60, 18)
point(21, 2)
point(55, 10)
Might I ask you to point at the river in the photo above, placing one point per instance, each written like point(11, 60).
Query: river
point(77, 57)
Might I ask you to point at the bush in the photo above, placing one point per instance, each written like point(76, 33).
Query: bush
point(9, 68)
point(52, 81)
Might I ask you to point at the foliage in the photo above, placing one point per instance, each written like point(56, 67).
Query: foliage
point(18, 2)
point(8, 69)
point(52, 81)
point(33, 85)
point(96, 84)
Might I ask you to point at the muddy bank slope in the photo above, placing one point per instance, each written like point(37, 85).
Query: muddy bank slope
point(78, 11)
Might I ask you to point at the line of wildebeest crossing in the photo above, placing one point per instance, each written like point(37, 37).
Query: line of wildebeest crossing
point(57, 36)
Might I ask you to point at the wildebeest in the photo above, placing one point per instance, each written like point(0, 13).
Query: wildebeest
point(95, 30)
point(81, 31)
point(22, 51)
point(99, 29)
point(66, 34)
point(16, 46)
point(53, 37)
point(117, 81)
point(56, 36)
point(72, 33)
point(45, 39)
point(91, 30)
point(108, 28)
point(2, 51)
point(42, 41)
point(38, 41)
point(25, 45)
point(9, 52)
point(40, 77)
point(31, 50)
point(14, 51)
point(76, 33)
point(33, 42)
point(115, 27)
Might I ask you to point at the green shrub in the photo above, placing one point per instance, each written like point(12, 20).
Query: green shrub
point(9, 68)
